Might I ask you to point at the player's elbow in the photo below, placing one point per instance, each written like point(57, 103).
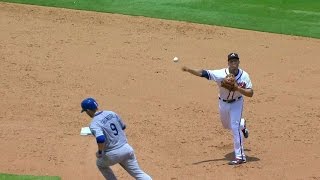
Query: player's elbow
point(204, 74)
point(250, 94)
point(101, 139)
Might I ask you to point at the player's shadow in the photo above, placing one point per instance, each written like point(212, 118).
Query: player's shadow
point(228, 157)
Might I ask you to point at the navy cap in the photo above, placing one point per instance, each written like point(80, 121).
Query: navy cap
point(233, 56)
point(89, 104)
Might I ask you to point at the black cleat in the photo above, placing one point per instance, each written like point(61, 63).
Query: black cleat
point(245, 132)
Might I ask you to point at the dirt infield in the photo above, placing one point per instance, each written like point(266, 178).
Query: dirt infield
point(51, 59)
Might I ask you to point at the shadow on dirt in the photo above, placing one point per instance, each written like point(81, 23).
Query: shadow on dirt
point(228, 157)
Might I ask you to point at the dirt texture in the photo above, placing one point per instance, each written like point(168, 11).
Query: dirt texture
point(52, 58)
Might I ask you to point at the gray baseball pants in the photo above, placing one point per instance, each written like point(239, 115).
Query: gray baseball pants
point(126, 158)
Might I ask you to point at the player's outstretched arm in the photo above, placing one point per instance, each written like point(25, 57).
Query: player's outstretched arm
point(196, 72)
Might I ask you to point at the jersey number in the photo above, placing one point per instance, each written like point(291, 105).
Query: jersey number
point(114, 129)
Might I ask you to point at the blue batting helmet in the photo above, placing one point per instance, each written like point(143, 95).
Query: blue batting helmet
point(89, 104)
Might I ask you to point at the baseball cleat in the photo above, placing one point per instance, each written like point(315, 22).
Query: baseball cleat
point(237, 162)
point(245, 132)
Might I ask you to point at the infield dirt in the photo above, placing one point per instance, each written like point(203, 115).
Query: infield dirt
point(52, 58)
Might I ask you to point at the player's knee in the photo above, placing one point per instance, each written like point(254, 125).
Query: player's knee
point(100, 163)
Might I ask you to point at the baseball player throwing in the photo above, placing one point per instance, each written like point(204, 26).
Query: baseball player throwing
point(231, 101)
point(113, 148)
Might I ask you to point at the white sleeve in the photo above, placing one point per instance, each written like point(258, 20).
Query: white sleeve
point(248, 82)
point(214, 75)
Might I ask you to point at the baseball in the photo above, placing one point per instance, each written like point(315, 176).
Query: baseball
point(175, 59)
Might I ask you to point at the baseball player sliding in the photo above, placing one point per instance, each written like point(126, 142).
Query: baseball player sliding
point(113, 148)
point(232, 88)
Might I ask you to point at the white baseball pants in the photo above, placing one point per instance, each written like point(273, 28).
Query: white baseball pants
point(231, 118)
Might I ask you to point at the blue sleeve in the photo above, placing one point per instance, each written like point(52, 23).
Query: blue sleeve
point(205, 74)
point(101, 139)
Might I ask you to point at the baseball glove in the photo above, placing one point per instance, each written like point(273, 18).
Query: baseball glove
point(229, 82)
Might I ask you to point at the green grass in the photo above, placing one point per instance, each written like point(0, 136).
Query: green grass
point(293, 17)
point(26, 177)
